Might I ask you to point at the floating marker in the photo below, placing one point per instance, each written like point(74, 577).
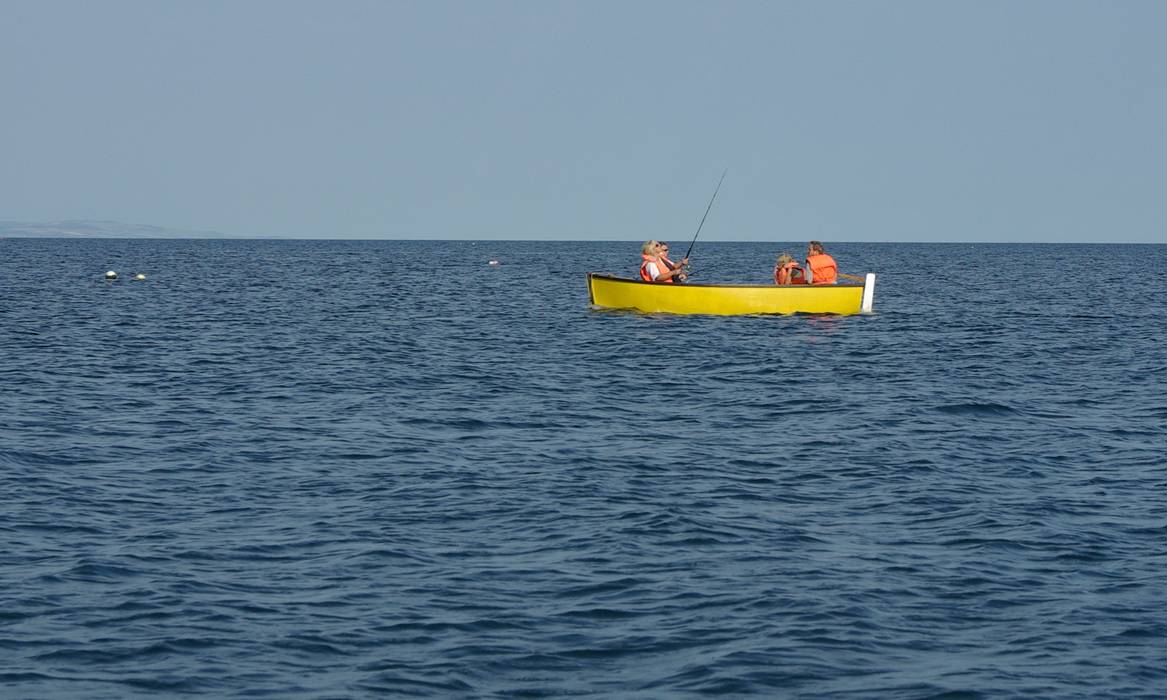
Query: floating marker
point(140, 277)
point(493, 262)
point(111, 275)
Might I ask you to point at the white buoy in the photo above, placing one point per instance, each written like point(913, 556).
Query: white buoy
point(868, 293)
point(111, 275)
point(493, 262)
point(140, 277)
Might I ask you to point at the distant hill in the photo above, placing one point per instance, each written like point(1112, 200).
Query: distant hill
point(96, 229)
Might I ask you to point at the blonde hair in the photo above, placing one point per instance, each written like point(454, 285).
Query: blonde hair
point(649, 247)
point(784, 258)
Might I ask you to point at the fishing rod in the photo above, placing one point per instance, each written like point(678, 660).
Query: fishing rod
point(706, 214)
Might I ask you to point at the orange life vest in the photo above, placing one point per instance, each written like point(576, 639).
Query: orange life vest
point(822, 267)
point(785, 274)
point(644, 269)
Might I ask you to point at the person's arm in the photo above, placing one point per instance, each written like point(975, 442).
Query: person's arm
point(679, 269)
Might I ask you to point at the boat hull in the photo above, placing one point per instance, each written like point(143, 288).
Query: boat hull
point(726, 300)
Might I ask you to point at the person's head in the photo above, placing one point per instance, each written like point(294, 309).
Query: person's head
point(662, 248)
point(784, 259)
point(816, 248)
point(649, 247)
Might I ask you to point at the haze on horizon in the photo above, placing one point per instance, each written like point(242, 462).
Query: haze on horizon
point(841, 121)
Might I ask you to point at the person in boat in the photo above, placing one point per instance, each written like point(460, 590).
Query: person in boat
point(652, 269)
point(788, 272)
point(821, 266)
point(662, 253)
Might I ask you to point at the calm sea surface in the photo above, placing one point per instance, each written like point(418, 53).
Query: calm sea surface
point(309, 469)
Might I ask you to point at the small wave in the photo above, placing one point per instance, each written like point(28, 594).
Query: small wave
point(99, 573)
point(977, 409)
point(601, 614)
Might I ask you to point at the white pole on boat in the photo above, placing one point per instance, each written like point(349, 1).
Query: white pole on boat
point(868, 293)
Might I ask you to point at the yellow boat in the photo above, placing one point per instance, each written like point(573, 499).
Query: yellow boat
point(730, 300)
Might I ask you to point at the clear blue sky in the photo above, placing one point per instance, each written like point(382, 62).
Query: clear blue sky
point(842, 121)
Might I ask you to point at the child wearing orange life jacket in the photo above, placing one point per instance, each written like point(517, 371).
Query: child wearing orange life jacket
point(788, 272)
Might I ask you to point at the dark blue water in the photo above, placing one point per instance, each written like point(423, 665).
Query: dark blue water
point(309, 469)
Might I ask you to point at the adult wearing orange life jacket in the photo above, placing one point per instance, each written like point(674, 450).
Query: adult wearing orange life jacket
point(652, 269)
point(662, 253)
point(821, 266)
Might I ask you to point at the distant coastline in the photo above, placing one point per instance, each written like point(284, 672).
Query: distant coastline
point(97, 229)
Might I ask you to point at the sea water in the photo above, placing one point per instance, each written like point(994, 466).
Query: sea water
point(342, 469)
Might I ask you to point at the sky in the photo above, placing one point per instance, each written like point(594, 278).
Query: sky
point(557, 120)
